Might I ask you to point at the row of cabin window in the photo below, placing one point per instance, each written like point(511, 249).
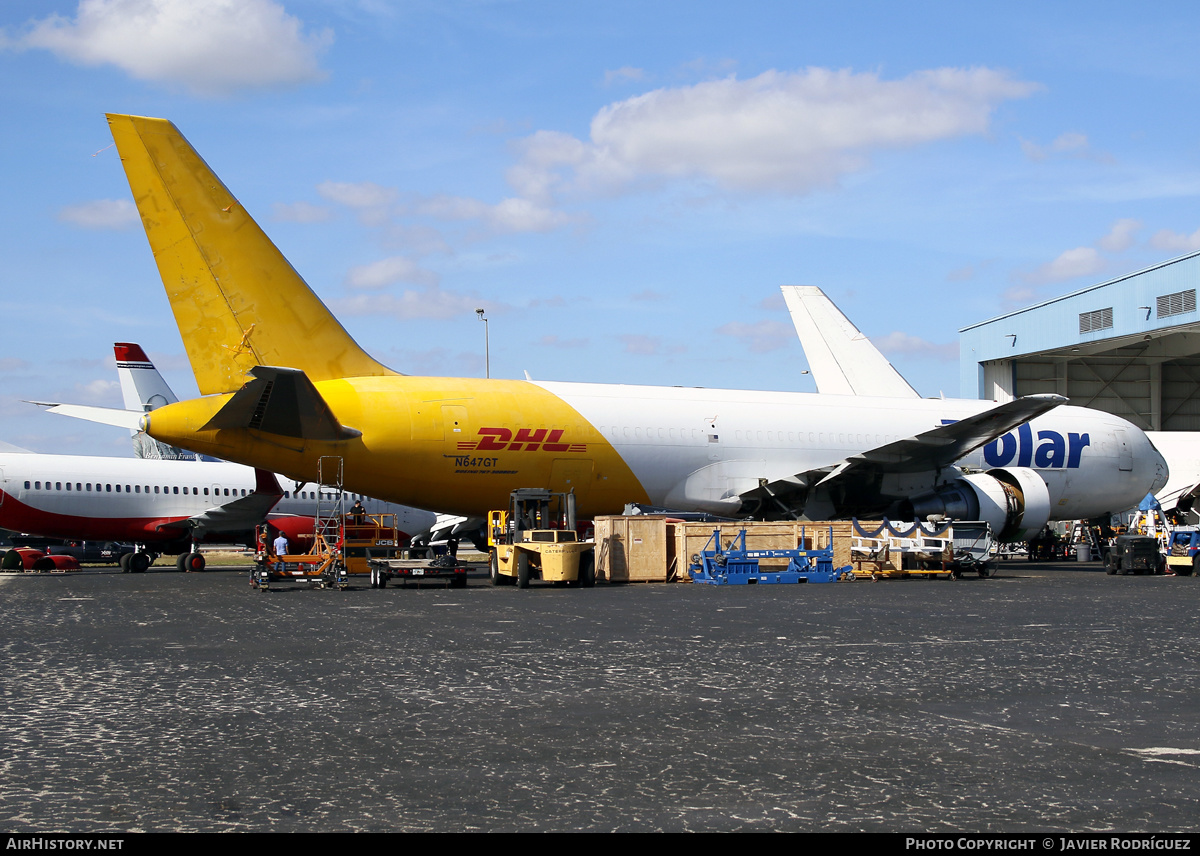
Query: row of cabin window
point(312, 494)
point(137, 488)
point(637, 433)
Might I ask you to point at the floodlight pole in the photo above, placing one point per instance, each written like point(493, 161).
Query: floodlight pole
point(487, 351)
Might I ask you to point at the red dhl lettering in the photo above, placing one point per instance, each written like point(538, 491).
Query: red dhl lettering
point(526, 439)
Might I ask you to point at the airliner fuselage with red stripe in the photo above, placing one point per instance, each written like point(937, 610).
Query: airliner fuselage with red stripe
point(144, 500)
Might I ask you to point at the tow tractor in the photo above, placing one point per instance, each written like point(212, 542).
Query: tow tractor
point(535, 538)
point(1183, 551)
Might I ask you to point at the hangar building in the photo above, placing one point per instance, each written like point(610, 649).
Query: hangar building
point(1129, 346)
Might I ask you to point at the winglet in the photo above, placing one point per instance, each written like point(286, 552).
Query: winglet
point(237, 301)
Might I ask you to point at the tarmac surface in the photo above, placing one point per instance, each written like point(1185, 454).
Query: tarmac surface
point(1049, 698)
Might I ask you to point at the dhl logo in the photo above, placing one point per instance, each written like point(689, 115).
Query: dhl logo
point(498, 439)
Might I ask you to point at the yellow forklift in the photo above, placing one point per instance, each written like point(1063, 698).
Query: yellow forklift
point(535, 538)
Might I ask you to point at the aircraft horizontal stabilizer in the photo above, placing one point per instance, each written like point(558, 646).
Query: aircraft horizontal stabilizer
point(284, 402)
point(104, 415)
point(932, 450)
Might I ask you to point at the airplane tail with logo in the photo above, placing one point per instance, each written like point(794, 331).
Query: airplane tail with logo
point(237, 301)
point(143, 389)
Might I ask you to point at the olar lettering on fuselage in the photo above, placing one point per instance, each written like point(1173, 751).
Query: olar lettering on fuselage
point(1051, 451)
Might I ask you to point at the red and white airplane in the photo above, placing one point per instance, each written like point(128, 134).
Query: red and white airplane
point(165, 498)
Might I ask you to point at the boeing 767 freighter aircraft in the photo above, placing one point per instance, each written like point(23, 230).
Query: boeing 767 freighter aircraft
point(283, 384)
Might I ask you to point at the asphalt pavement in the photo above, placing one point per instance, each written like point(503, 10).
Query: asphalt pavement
point(1051, 697)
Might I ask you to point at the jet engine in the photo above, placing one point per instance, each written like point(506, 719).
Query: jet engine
point(1015, 501)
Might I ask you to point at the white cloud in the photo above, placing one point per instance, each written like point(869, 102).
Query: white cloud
point(1121, 237)
point(903, 343)
point(98, 391)
point(362, 194)
point(552, 341)
point(1071, 144)
point(300, 212)
point(511, 215)
point(1165, 239)
point(1084, 261)
point(1081, 261)
point(620, 75)
point(212, 47)
point(100, 214)
point(789, 132)
point(388, 271)
point(428, 303)
point(642, 345)
point(1020, 294)
point(762, 336)
point(420, 240)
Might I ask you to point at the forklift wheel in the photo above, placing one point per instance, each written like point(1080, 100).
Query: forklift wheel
point(587, 570)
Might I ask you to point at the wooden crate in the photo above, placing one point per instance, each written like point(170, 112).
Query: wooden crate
point(638, 548)
point(658, 548)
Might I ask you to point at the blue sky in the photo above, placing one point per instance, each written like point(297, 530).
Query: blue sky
point(624, 186)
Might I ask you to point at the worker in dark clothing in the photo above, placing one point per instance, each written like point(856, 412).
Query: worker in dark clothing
point(358, 513)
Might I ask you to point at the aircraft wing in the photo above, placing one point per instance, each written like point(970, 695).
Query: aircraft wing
point(932, 450)
point(281, 401)
point(245, 512)
point(105, 415)
point(842, 360)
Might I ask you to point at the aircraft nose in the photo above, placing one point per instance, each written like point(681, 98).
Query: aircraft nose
point(1161, 472)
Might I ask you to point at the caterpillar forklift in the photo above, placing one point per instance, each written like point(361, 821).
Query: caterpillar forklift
point(535, 538)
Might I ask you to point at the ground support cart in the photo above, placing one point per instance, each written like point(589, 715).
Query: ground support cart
point(408, 568)
point(735, 565)
point(895, 552)
point(339, 552)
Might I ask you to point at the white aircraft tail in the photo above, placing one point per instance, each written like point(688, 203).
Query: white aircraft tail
point(842, 360)
point(143, 389)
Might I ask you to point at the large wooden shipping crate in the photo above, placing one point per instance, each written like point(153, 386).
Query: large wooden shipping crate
point(639, 548)
point(657, 548)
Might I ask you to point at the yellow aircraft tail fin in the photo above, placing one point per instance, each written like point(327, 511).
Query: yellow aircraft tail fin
point(237, 301)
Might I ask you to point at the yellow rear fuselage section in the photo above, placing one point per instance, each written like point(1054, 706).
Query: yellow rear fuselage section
point(454, 444)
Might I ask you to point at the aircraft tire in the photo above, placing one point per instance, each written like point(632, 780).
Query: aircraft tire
point(522, 569)
point(124, 562)
point(193, 562)
point(179, 562)
point(587, 570)
point(137, 563)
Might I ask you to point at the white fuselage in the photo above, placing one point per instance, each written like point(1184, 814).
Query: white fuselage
point(700, 448)
point(138, 499)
